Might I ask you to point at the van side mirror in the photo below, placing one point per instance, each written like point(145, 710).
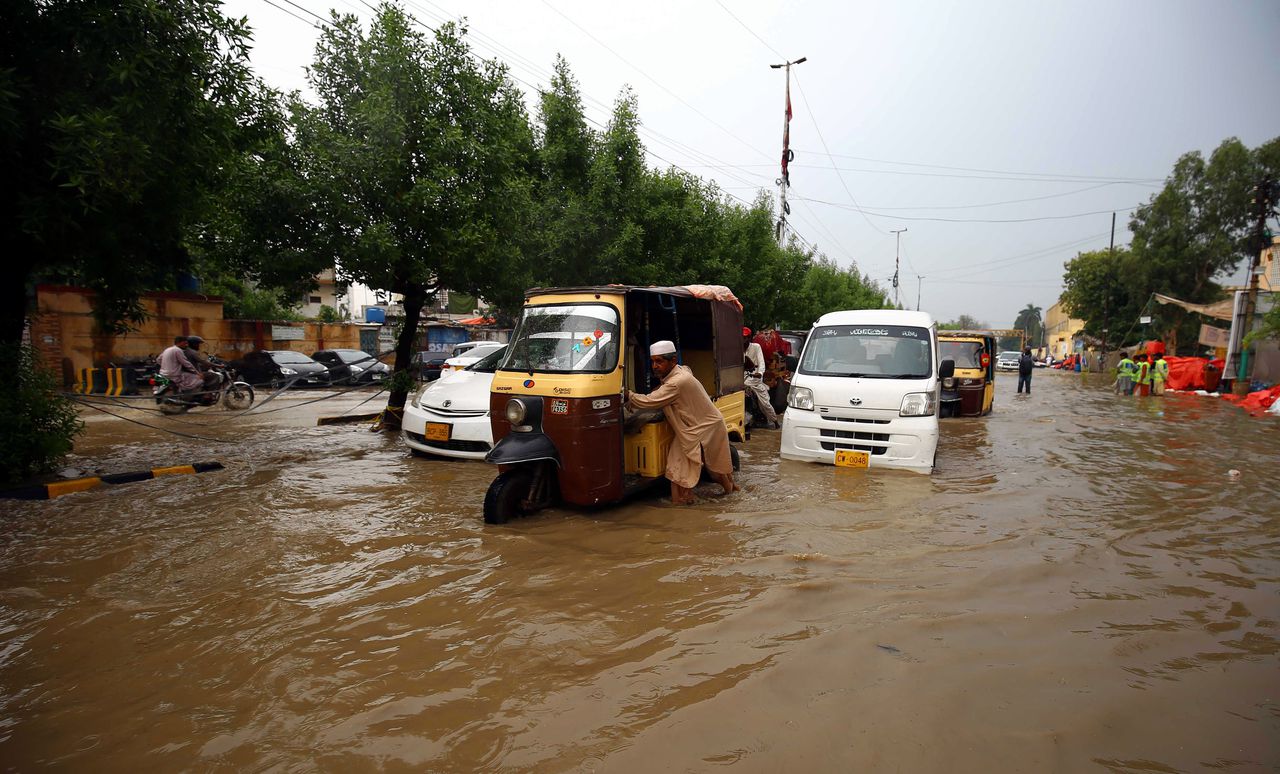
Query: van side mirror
point(947, 369)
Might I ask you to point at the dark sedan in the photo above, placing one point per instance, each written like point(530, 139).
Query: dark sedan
point(352, 366)
point(277, 367)
point(429, 365)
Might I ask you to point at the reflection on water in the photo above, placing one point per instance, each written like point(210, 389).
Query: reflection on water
point(1080, 585)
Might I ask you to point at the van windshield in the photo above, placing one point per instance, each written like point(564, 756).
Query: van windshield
point(870, 351)
point(564, 338)
point(965, 354)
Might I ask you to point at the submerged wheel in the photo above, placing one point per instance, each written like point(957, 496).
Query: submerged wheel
point(239, 396)
point(733, 455)
point(505, 499)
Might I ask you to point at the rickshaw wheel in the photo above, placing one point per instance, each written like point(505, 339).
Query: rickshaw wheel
point(733, 456)
point(505, 499)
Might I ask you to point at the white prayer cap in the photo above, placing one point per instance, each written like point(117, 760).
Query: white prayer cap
point(663, 347)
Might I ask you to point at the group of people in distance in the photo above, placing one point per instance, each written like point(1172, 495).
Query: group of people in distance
point(1142, 375)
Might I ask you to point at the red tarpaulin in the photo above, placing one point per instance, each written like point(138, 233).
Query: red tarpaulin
point(1256, 402)
point(1187, 373)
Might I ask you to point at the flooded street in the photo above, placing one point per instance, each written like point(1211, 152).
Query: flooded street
point(1081, 586)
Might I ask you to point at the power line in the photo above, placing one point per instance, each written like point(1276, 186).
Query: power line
point(823, 140)
point(971, 220)
point(291, 13)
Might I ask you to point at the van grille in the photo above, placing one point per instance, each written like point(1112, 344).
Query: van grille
point(857, 419)
point(848, 437)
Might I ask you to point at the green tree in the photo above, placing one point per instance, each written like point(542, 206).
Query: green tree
point(1030, 321)
point(1196, 229)
point(422, 161)
point(37, 424)
point(1095, 292)
point(118, 118)
point(964, 323)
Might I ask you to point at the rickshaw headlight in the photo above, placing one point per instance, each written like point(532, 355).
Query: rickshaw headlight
point(918, 404)
point(948, 382)
point(800, 398)
point(516, 411)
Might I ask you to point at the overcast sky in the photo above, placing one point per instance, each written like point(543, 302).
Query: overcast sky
point(1001, 135)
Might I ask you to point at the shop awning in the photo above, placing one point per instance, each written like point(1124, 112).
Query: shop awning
point(1219, 310)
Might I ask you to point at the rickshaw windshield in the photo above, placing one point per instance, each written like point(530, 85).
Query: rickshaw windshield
point(966, 354)
point(870, 351)
point(565, 338)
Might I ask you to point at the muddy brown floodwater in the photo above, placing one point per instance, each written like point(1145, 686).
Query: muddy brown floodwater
point(1081, 586)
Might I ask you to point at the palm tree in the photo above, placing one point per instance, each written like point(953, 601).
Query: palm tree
point(1030, 321)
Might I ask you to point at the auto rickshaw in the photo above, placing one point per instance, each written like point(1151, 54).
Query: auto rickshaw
point(971, 390)
point(556, 401)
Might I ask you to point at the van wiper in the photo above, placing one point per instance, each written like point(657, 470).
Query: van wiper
point(856, 375)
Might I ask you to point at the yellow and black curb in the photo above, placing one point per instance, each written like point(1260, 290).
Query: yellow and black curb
point(348, 418)
point(59, 488)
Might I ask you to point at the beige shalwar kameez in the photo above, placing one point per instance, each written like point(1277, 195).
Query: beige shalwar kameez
point(698, 425)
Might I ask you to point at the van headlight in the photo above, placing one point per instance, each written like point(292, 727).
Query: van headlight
point(516, 411)
point(918, 404)
point(801, 398)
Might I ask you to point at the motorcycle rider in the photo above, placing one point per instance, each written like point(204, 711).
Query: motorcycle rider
point(202, 362)
point(177, 367)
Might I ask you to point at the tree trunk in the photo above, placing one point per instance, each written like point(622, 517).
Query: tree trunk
point(13, 297)
point(414, 298)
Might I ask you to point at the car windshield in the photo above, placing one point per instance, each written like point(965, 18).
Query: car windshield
point(290, 358)
point(489, 363)
point(1010, 355)
point(354, 356)
point(871, 351)
point(564, 338)
point(965, 354)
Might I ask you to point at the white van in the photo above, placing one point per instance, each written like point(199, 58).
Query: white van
point(865, 392)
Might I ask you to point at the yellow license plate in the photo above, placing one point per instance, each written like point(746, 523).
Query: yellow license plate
point(439, 431)
point(851, 458)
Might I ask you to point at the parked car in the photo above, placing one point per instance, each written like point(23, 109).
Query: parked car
point(352, 366)
point(428, 365)
point(450, 416)
point(277, 367)
point(1008, 360)
point(474, 354)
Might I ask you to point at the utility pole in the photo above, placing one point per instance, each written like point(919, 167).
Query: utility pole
point(784, 182)
point(1106, 298)
point(919, 285)
point(1263, 198)
point(896, 253)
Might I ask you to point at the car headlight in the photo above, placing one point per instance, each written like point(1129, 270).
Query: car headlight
point(918, 404)
point(355, 369)
point(800, 398)
point(288, 371)
point(516, 411)
point(948, 382)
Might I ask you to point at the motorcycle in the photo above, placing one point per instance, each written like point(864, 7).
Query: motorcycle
point(235, 394)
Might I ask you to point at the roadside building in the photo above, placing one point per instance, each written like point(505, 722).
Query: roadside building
point(1061, 332)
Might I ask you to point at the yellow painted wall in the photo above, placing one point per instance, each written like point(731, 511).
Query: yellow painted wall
point(63, 330)
point(1059, 329)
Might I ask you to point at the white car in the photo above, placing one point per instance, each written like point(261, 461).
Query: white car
point(1008, 361)
point(450, 416)
point(471, 355)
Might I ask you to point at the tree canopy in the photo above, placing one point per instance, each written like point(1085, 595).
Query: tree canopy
point(119, 117)
point(1197, 229)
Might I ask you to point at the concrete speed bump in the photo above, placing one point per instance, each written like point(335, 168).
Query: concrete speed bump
point(59, 488)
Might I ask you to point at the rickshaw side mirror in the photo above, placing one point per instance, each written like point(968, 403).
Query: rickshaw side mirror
point(947, 369)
